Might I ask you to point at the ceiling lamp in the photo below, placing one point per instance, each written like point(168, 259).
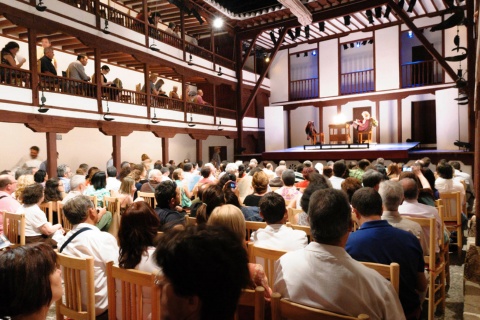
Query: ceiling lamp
point(369, 14)
point(290, 34)
point(298, 30)
point(378, 12)
point(105, 29)
point(387, 12)
point(346, 20)
point(307, 32)
point(299, 10)
point(220, 73)
point(42, 108)
point(41, 6)
point(218, 23)
point(155, 119)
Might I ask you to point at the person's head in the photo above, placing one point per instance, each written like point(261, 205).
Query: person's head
point(200, 92)
point(426, 161)
point(49, 52)
point(8, 183)
point(64, 171)
point(445, 170)
point(205, 270)
point(171, 162)
point(318, 182)
point(45, 43)
point(330, 216)
point(367, 202)
point(365, 115)
point(372, 178)
point(127, 186)
point(30, 280)
point(34, 151)
point(272, 208)
point(299, 168)
point(178, 174)
point(40, 176)
point(225, 178)
point(155, 175)
point(288, 177)
point(212, 197)
point(77, 183)
point(350, 185)
point(410, 189)
point(352, 164)
point(280, 169)
point(455, 165)
point(205, 171)
point(32, 194)
point(363, 164)
point(175, 89)
point(260, 182)
point(112, 172)
point(308, 164)
point(91, 172)
point(136, 233)
point(339, 168)
point(392, 194)
point(231, 168)
point(306, 172)
point(11, 47)
point(230, 217)
point(84, 168)
point(80, 209)
point(166, 195)
point(83, 59)
point(171, 25)
point(105, 69)
point(328, 172)
point(99, 180)
point(393, 169)
point(53, 190)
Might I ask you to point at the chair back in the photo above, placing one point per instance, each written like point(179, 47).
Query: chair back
point(191, 221)
point(305, 229)
point(131, 285)
point(94, 200)
point(388, 271)
point(269, 256)
point(285, 309)
point(452, 206)
point(253, 298)
point(112, 204)
point(67, 226)
point(78, 278)
point(292, 215)
point(14, 227)
point(430, 224)
point(47, 207)
point(253, 226)
point(149, 198)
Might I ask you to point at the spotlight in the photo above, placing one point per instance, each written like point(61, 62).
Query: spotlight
point(219, 128)
point(321, 26)
point(345, 46)
point(370, 41)
point(107, 116)
point(155, 119)
point(378, 12)
point(220, 73)
point(352, 45)
point(267, 58)
point(401, 3)
point(346, 20)
point(387, 12)
point(42, 108)
point(305, 54)
point(218, 23)
point(410, 34)
point(298, 55)
point(105, 29)
point(190, 62)
point(307, 32)
point(369, 16)
point(41, 6)
point(190, 123)
point(411, 5)
point(272, 36)
point(154, 47)
point(314, 53)
point(291, 35)
point(297, 32)
point(357, 44)
point(464, 145)
point(364, 42)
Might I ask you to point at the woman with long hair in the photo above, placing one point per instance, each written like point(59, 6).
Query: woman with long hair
point(98, 187)
point(138, 230)
point(126, 193)
point(54, 190)
point(212, 197)
point(185, 194)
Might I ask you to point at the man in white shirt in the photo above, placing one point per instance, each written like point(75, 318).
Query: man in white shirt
point(339, 168)
point(32, 160)
point(323, 275)
point(64, 174)
point(411, 207)
point(277, 235)
point(458, 175)
point(446, 183)
point(91, 242)
point(77, 187)
point(113, 184)
point(8, 185)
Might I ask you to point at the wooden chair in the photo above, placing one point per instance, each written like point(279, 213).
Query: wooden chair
point(131, 285)
point(253, 298)
point(285, 309)
point(14, 228)
point(292, 215)
point(444, 247)
point(452, 215)
point(78, 276)
point(67, 226)
point(388, 271)
point(191, 221)
point(94, 200)
point(273, 189)
point(112, 204)
point(148, 197)
point(305, 229)
point(47, 207)
point(436, 288)
point(365, 136)
point(268, 257)
point(253, 226)
point(318, 138)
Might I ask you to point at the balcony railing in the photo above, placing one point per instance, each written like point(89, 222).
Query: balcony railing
point(357, 82)
point(199, 51)
point(224, 62)
point(15, 77)
point(162, 102)
point(121, 18)
point(226, 113)
point(165, 37)
point(86, 5)
point(204, 109)
point(304, 89)
point(421, 73)
point(68, 86)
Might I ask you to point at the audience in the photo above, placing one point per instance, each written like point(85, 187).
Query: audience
point(212, 197)
point(185, 194)
point(360, 170)
point(198, 99)
point(8, 55)
point(126, 193)
point(64, 173)
point(372, 178)
point(167, 202)
point(339, 169)
point(289, 192)
point(76, 69)
point(277, 180)
point(154, 179)
point(305, 173)
point(260, 187)
point(113, 184)
point(323, 275)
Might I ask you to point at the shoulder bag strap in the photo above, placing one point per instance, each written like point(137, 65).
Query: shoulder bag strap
point(72, 237)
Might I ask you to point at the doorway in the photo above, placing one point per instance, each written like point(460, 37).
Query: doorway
point(422, 70)
point(424, 123)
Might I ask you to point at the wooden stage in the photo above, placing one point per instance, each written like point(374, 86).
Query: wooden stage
point(399, 152)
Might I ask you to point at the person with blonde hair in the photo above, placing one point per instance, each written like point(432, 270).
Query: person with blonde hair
point(22, 182)
point(260, 187)
point(231, 218)
point(185, 194)
point(146, 161)
point(126, 193)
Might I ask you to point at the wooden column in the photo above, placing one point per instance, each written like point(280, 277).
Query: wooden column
point(98, 79)
point(116, 153)
point(198, 149)
point(148, 103)
point(165, 154)
point(51, 154)
point(32, 60)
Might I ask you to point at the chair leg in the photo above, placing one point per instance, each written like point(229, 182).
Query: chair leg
point(460, 240)
point(431, 296)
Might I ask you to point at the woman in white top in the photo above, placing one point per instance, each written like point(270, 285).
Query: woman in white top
point(138, 230)
point(37, 228)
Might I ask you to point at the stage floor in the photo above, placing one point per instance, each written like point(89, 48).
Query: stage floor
point(390, 151)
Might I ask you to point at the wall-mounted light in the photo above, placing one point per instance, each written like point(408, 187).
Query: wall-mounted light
point(305, 54)
point(191, 124)
point(364, 42)
point(352, 44)
point(42, 108)
point(41, 6)
point(219, 128)
point(370, 41)
point(220, 73)
point(345, 46)
point(108, 116)
point(267, 58)
point(190, 62)
point(105, 29)
point(314, 53)
point(155, 119)
point(357, 44)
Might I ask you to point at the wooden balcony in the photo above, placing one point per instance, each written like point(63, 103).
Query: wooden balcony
point(304, 89)
point(357, 82)
point(421, 73)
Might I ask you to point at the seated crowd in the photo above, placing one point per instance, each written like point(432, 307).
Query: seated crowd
point(355, 212)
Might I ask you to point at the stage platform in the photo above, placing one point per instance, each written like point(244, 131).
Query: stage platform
point(390, 151)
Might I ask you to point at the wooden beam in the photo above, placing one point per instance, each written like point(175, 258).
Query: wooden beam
point(430, 48)
point(116, 151)
point(51, 153)
point(165, 153)
point(249, 51)
point(264, 73)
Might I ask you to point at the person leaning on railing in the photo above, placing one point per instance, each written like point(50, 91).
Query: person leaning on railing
point(8, 55)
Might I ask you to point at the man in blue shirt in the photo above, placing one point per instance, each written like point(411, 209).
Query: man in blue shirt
point(377, 241)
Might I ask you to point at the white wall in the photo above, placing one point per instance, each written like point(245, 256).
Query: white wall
point(302, 67)
point(388, 121)
point(275, 128)
point(328, 55)
point(447, 114)
point(213, 141)
point(182, 147)
point(356, 58)
point(298, 120)
point(138, 143)
point(329, 114)
point(279, 77)
point(387, 56)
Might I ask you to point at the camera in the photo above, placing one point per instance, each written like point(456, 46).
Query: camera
point(407, 168)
